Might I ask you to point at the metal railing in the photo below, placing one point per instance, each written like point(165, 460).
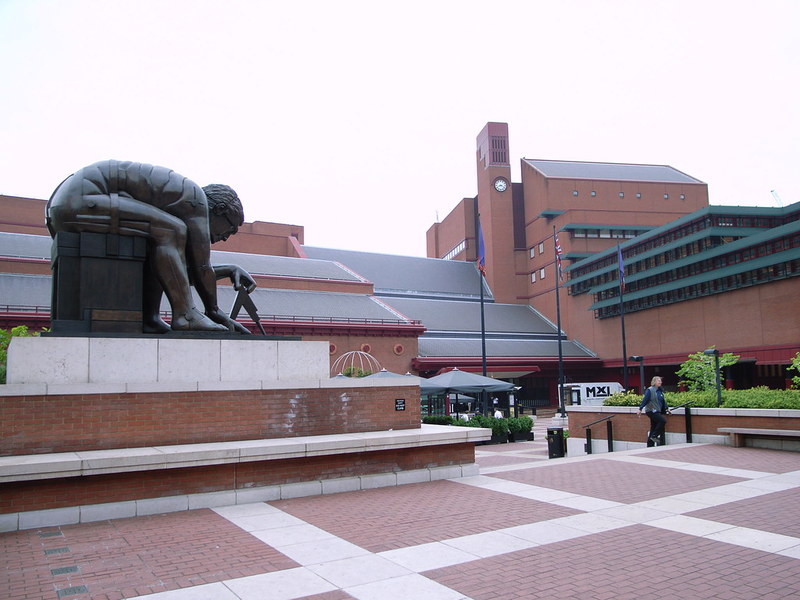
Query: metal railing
point(609, 431)
point(687, 415)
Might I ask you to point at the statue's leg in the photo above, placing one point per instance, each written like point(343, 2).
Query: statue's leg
point(166, 236)
point(151, 302)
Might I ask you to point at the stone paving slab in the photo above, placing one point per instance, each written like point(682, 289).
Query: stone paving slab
point(721, 522)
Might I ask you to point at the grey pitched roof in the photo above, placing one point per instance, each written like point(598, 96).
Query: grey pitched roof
point(260, 264)
point(25, 246)
point(436, 346)
point(455, 316)
point(564, 169)
point(23, 290)
point(394, 275)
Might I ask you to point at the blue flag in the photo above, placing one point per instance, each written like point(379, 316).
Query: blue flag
point(621, 269)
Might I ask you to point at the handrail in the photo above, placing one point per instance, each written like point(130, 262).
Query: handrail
point(681, 405)
point(599, 421)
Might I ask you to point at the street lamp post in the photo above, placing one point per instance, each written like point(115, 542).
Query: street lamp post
point(715, 353)
point(640, 360)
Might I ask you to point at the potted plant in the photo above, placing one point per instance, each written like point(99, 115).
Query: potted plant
point(520, 429)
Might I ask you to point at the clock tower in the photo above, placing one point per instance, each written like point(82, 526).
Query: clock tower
point(495, 207)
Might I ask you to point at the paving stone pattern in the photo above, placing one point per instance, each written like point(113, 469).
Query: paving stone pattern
point(688, 521)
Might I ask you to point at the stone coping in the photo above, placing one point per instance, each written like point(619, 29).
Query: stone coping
point(716, 412)
point(67, 389)
point(95, 462)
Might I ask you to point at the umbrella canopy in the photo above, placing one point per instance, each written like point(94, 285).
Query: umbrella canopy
point(462, 381)
point(424, 386)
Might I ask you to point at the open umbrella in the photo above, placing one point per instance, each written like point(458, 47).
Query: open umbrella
point(425, 387)
point(462, 381)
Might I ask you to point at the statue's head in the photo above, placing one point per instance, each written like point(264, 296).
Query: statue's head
point(223, 201)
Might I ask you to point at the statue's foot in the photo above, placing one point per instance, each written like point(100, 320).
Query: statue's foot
point(195, 321)
point(155, 325)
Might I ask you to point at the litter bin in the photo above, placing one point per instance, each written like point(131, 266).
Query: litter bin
point(555, 442)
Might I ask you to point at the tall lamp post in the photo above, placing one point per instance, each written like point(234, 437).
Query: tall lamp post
point(715, 353)
point(640, 360)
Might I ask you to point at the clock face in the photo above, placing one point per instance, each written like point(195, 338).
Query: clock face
point(500, 184)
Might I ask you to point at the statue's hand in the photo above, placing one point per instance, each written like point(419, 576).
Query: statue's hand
point(220, 317)
point(241, 279)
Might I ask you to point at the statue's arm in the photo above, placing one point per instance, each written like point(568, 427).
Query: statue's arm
point(202, 273)
point(238, 276)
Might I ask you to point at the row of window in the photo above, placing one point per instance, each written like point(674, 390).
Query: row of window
point(458, 249)
point(690, 228)
point(605, 233)
point(702, 266)
point(706, 288)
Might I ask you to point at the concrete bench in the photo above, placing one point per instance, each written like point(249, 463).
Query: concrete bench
point(738, 434)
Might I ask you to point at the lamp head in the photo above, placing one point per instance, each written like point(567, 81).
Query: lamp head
point(636, 358)
point(711, 352)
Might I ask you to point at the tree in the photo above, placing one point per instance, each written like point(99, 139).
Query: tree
point(699, 371)
point(796, 367)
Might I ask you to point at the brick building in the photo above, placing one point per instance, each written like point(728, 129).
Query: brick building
point(696, 276)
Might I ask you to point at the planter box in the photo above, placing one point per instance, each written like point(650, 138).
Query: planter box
point(521, 436)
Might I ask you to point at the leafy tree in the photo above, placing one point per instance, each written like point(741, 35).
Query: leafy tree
point(699, 371)
point(796, 367)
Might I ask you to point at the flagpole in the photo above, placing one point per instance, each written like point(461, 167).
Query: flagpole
point(481, 263)
point(622, 317)
point(557, 263)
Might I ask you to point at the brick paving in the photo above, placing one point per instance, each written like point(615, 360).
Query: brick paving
point(690, 521)
point(620, 482)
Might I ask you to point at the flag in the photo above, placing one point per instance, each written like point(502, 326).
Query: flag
point(621, 269)
point(481, 259)
point(558, 260)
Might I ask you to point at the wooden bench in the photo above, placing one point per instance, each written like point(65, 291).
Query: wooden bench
point(738, 434)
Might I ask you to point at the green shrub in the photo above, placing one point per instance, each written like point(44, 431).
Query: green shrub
point(758, 397)
point(522, 424)
point(438, 420)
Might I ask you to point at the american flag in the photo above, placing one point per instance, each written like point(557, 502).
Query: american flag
point(558, 259)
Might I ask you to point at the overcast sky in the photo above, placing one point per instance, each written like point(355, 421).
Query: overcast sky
point(357, 119)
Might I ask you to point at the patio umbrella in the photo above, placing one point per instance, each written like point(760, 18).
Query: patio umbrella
point(425, 388)
point(462, 381)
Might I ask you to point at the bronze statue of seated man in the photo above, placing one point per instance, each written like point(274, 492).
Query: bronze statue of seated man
point(180, 221)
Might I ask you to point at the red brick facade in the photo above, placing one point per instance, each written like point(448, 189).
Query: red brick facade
point(44, 424)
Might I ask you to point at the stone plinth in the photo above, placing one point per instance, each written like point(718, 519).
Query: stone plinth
point(143, 360)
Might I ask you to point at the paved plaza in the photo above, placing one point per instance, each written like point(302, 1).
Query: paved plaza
point(684, 521)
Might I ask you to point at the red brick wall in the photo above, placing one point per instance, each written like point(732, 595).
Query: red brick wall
point(42, 424)
point(629, 427)
point(58, 493)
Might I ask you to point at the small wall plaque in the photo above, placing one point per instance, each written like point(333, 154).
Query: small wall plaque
point(399, 403)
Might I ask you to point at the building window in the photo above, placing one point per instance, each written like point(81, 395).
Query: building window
point(683, 196)
point(541, 247)
point(622, 194)
point(533, 252)
point(533, 277)
point(574, 192)
point(541, 273)
point(638, 194)
point(594, 193)
point(666, 196)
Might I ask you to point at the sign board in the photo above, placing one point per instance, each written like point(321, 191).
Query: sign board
point(400, 404)
point(592, 394)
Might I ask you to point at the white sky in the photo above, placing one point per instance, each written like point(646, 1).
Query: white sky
point(357, 118)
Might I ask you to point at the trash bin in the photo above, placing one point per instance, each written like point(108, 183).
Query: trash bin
point(555, 442)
